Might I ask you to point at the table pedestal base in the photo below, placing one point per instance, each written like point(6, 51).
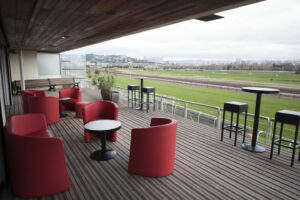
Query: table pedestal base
point(103, 155)
point(140, 109)
point(256, 148)
point(63, 115)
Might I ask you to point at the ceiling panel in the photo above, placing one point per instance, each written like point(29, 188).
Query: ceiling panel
point(60, 25)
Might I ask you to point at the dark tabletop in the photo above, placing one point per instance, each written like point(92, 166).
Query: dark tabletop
point(102, 125)
point(260, 90)
point(64, 98)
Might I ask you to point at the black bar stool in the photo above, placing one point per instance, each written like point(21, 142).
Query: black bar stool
point(133, 89)
point(148, 91)
point(287, 117)
point(235, 107)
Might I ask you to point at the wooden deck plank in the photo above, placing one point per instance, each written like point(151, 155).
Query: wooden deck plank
point(195, 158)
point(205, 167)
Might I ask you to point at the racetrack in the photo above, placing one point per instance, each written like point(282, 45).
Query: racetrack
point(284, 92)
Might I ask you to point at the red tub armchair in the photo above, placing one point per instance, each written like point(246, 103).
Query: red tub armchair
point(74, 94)
point(36, 159)
point(28, 93)
point(152, 150)
point(98, 110)
point(46, 105)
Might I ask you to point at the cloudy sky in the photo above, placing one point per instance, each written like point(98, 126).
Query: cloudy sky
point(264, 31)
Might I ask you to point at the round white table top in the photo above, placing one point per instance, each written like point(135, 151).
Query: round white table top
point(64, 99)
point(102, 125)
point(140, 77)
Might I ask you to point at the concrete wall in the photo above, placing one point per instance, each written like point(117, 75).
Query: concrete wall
point(30, 65)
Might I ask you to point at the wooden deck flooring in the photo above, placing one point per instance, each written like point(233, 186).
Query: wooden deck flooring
point(205, 167)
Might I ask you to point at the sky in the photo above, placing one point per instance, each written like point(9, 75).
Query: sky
point(269, 30)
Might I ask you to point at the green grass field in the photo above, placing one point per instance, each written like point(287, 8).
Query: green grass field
point(216, 97)
point(268, 78)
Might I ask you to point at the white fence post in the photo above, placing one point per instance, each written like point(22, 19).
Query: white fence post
point(267, 130)
point(161, 103)
point(270, 131)
point(185, 110)
point(219, 118)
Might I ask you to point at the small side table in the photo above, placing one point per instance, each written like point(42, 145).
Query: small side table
point(60, 111)
point(103, 127)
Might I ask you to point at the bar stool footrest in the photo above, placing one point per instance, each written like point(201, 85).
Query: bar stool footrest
point(276, 142)
point(233, 128)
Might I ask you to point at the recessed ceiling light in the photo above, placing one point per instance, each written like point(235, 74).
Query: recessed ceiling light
point(210, 18)
point(63, 37)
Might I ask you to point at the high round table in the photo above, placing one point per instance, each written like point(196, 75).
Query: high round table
point(103, 127)
point(259, 91)
point(141, 108)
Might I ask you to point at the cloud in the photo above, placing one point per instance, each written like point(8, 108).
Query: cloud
point(266, 30)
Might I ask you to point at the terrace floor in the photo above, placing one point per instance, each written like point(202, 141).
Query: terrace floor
point(205, 167)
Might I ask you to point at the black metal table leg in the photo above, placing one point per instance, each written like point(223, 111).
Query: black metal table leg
point(60, 110)
point(253, 147)
point(141, 108)
point(103, 154)
point(259, 91)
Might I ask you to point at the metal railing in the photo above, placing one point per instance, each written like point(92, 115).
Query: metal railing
point(76, 73)
point(213, 117)
point(207, 114)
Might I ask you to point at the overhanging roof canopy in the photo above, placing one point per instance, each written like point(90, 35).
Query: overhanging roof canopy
point(60, 25)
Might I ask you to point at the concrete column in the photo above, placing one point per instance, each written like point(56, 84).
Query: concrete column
point(21, 69)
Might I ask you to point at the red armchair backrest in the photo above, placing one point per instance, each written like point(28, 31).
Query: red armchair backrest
point(152, 149)
point(26, 123)
point(100, 109)
point(74, 93)
point(46, 105)
point(34, 92)
point(26, 94)
point(160, 129)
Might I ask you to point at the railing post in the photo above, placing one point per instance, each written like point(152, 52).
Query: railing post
point(270, 131)
point(267, 130)
point(185, 110)
point(162, 103)
point(219, 118)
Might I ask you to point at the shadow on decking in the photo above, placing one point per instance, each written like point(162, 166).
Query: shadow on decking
point(205, 168)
